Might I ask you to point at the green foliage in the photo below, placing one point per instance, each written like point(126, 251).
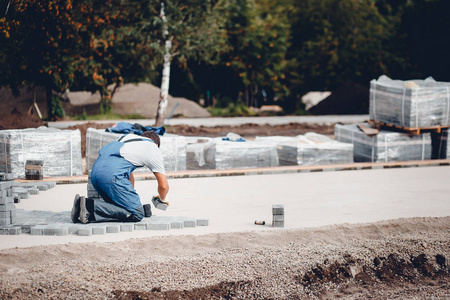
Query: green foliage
point(56, 107)
point(238, 109)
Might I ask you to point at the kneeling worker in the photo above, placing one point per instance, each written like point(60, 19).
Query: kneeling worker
point(113, 179)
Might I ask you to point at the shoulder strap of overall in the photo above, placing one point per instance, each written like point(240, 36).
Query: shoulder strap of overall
point(133, 140)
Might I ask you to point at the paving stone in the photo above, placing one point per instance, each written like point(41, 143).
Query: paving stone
point(278, 218)
point(10, 230)
point(176, 225)
point(278, 209)
point(37, 230)
point(99, 230)
point(56, 229)
point(128, 227)
point(158, 226)
point(7, 207)
point(5, 221)
point(4, 193)
point(6, 200)
point(140, 226)
point(42, 187)
point(85, 231)
point(279, 224)
point(6, 176)
point(5, 185)
point(113, 228)
point(202, 222)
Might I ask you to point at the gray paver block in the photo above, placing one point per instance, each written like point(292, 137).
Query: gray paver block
point(279, 224)
point(177, 225)
point(37, 230)
point(278, 218)
point(85, 231)
point(113, 228)
point(7, 207)
point(6, 200)
point(158, 226)
point(42, 187)
point(99, 230)
point(5, 185)
point(202, 222)
point(5, 221)
point(278, 209)
point(10, 230)
point(56, 229)
point(127, 227)
point(140, 226)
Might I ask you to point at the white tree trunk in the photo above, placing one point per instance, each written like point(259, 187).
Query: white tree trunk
point(164, 93)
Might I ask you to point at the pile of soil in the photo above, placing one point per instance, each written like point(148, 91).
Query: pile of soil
point(16, 120)
point(397, 259)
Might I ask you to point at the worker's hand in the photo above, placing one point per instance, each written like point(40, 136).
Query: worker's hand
point(158, 203)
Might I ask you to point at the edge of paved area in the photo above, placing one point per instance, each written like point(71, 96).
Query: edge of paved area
point(260, 171)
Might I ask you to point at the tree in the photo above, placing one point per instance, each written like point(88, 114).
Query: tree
point(336, 40)
point(188, 30)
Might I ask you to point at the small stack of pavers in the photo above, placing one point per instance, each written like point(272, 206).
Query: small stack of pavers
point(278, 215)
point(34, 169)
point(7, 207)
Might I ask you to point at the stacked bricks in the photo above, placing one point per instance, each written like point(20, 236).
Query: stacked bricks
point(34, 169)
point(278, 215)
point(7, 207)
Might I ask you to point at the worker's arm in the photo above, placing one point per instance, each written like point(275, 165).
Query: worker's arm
point(163, 185)
point(132, 178)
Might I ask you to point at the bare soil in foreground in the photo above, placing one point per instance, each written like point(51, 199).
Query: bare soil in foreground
point(398, 259)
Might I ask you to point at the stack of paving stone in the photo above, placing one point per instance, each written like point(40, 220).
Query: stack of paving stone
point(59, 149)
point(410, 104)
point(173, 149)
point(222, 154)
point(7, 207)
point(310, 149)
point(385, 146)
point(34, 170)
point(278, 215)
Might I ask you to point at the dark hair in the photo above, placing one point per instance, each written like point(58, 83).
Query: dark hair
point(153, 136)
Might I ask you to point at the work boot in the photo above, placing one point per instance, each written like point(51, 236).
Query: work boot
point(84, 214)
point(75, 213)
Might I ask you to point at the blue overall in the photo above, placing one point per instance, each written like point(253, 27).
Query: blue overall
point(110, 176)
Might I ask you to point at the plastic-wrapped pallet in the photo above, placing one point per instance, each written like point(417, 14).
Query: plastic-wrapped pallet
point(59, 149)
point(194, 152)
point(173, 149)
point(385, 146)
point(441, 149)
point(311, 149)
point(222, 155)
point(410, 104)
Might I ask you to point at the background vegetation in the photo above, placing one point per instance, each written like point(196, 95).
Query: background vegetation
point(239, 53)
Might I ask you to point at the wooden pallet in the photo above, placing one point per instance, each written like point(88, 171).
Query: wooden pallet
point(410, 130)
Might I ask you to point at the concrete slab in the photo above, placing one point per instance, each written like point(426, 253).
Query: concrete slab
point(233, 203)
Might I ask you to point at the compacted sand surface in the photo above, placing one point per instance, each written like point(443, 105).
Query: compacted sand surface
point(397, 259)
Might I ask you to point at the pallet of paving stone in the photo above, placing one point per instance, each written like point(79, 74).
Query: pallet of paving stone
point(173, 149)
point(412, 104)
point(386, 146)
point(310, 149)
point(60, 150)
point(221, 154)
point(34, 169)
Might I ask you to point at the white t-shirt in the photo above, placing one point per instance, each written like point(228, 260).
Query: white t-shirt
point(142, 153)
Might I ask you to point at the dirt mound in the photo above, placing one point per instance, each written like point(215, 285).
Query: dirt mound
point(141, 99)
point(16, 120)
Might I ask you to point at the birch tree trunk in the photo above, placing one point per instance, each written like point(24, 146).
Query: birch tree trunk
point(164, 92)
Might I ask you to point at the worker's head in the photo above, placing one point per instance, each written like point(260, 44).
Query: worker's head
point(153, 136)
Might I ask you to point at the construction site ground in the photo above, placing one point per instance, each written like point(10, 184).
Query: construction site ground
point(357, 231)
